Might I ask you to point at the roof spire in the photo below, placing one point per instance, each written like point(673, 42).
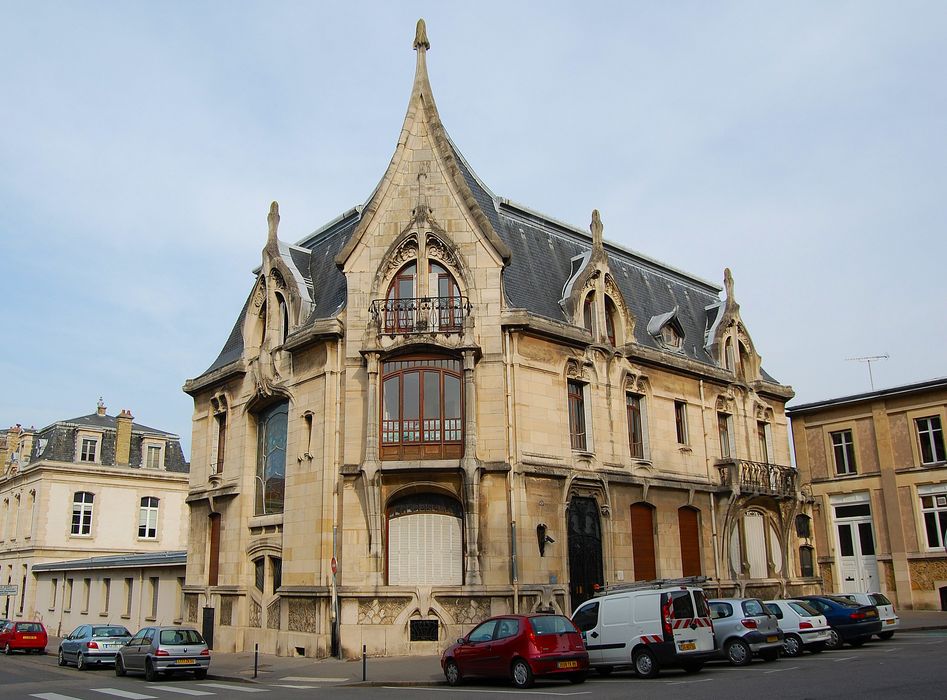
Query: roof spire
point(728, 283)
point(596, 227)
point(420, 37)
point(272, 220)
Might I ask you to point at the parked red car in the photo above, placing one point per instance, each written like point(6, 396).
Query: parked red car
point(520, 648)
point(25, 636)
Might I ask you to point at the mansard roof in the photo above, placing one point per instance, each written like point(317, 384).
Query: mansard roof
point(95, 421)
point(537, 251)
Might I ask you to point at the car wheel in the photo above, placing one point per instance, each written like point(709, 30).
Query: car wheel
point(577, 678)
point(604, 670)
point(692, 666)
point(886, 635)
point(816, 648)
point(858, 642)
point(738, 653)
point(645, 665)
point(7, 650)
point(119, 665)
point(792, 645)
point(835, 640)
point(522, 674)
point(200, 674)
point(62, 658)
point(150, 674)
point(81, 663)
point(452, 673)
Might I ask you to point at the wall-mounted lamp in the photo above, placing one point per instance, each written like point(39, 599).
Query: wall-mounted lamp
point(543, 538)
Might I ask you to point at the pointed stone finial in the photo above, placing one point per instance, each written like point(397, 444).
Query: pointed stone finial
point(272, 220)
point(596, 228)
point(728, 283)
point(420, 37)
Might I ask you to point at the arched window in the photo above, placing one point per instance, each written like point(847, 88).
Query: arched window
point(271, 459)
point(806, 562)
point(422, 408)
point(148, 518)
point(728, 354)
point(425, 541)
point(642, 542)
point(82, 513)
point(588, 314)
point(448, 311)
point(400, 311)
point(283, 318)
point(611, 313)
point(689, 528)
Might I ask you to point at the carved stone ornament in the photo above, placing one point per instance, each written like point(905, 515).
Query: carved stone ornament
point(466, 611)
point(277, 278)
point(256, 614)
point(575, 371)
point(303, 615)
point(405, 251)
point(763, 412)
point(273, 615)
point(259, 297)
point(439, 250)
point(380, 611)
point(612, 290)
point(725, 404)
point(636, 383)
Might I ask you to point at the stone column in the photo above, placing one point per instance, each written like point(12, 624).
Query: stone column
point(371, 467)
point(471, 466)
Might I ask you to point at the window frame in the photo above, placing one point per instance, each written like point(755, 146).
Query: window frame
point(845, 449)
point(680, 422)
point(578, 418)
point(934, 441)
point(401, 437)
point(95, 438)
point(938, 509)
point(86, 511)
point(635, 415)
point(148, 512)
point(725, 435)
point(263, 502)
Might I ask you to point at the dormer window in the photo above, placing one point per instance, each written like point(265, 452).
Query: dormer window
point(89, 447)
point(610, 313)
point(588, 314)
point(667, 330)
point(671, 338)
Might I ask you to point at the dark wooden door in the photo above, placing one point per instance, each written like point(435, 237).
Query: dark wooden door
point(207, 627)
point(585, 550)
point(642, 542)
point(690, 541)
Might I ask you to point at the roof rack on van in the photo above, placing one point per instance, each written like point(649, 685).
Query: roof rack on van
point(656, 583)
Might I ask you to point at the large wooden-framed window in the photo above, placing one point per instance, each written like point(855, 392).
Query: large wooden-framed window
point(635, 427)
point(723, 430)
point(422, 408)
point(680, 422)
point(400, 313)
point(577, 426)
point(448, 309)
point(213, 567)
point(843, 449)
point(930, 436)
point(642, 542)
point(221, 423)
point(689, 528)
point(271, 459)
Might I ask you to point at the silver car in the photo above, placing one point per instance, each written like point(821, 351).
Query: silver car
point(744, 627)
point(889, 618)
point(804, 627)
point(156, 650)
point(92, 645)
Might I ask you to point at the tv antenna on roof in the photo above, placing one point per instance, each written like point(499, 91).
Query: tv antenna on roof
point(868, 360)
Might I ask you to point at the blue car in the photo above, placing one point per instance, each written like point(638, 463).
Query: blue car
point(850, 622)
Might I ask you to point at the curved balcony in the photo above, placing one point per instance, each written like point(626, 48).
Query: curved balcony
point(747, 478)
point(421, 315)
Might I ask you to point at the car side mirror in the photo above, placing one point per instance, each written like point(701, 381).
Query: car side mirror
point(461, 640)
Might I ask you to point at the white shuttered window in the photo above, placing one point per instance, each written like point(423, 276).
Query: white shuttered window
point(425, 549)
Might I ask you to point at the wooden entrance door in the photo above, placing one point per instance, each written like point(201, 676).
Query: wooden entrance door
point(585, 549)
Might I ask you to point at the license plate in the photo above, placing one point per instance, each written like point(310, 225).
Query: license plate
point(889, 622)
point(772, 639)
point(686, 646)
point(29, 636)
point(567, 664)
point(185, 661)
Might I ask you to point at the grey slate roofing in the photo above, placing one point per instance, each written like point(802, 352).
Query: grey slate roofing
point(94, 420)
point(539, 267)
point(918, 387)
point(118, 561)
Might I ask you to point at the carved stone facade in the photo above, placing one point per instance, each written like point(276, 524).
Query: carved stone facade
point(448, 406)
point(876, 467)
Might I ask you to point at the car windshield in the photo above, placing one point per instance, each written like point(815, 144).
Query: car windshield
point(803, 608)
point(29, 627)
point(551, 624)
point(879, 599)
point(172, 637)
point(110, 632)
point(839, 600)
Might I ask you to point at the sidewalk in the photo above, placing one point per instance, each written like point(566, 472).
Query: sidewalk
point(410, 670)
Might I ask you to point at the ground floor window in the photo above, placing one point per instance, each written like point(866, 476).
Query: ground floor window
point(425, 541)
point(754, 545)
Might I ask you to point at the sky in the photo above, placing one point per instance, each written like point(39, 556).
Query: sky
point(803, 145)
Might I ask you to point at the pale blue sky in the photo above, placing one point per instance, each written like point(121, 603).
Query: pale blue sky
point(801, 144)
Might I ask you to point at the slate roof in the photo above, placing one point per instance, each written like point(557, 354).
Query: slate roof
point(539, 267)
point(94, 420)
point(118, 561)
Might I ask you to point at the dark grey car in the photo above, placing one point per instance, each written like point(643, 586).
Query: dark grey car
point(155, 650)
point(92, 645)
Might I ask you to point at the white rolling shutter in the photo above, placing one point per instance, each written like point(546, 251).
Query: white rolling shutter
point(425, 549)
point(755, 544)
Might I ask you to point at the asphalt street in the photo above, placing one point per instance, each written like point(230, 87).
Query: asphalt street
point(912, 664)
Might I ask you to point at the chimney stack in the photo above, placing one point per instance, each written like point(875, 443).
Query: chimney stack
point(123, 436)
point(100, 407)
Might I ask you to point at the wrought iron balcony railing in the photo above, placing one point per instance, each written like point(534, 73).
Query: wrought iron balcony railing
point(746, 477)
point(421, 314)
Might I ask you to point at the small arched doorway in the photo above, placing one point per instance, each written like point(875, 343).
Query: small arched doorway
point(585, 549)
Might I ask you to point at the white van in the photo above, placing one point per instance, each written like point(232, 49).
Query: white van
point(648, 625)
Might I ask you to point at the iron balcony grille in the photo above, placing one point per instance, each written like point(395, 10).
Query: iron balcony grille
point(749, 477)
point(421, 314)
